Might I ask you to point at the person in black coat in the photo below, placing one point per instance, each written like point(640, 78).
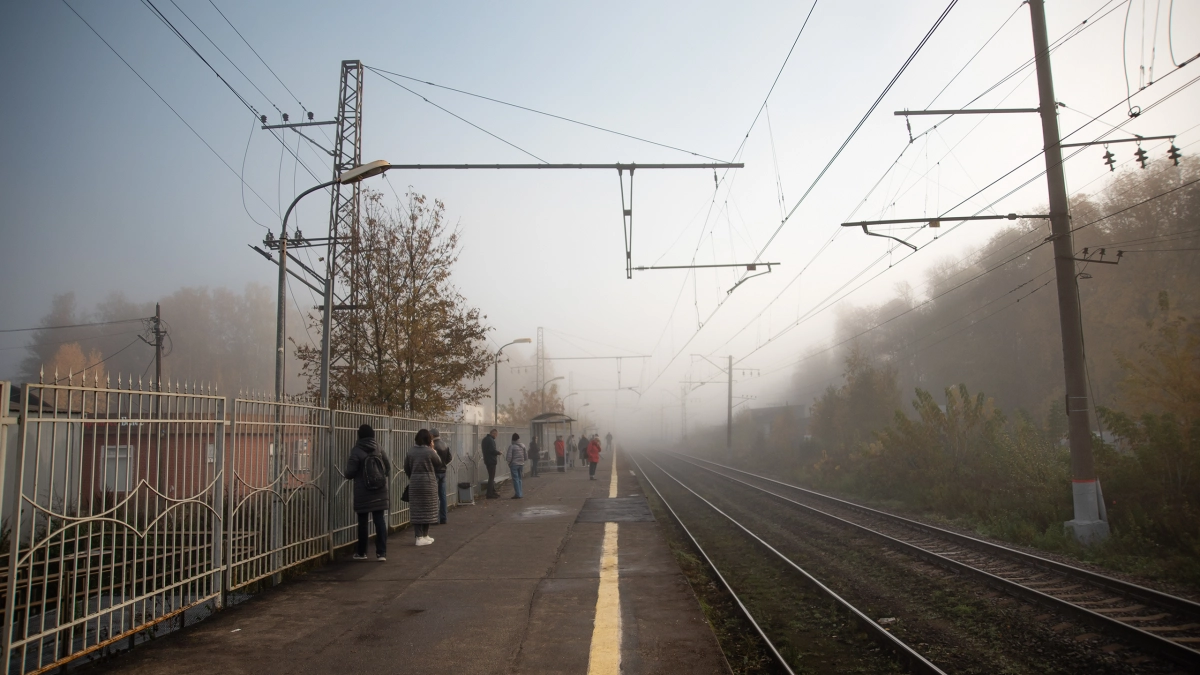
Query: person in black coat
point(369, 504)
point(535, 456)
point(583, 445)
point(490, 456)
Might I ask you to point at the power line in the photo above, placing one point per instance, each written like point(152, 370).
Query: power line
point(459, 117)
point(380, 71)
point(76, 325)
point(260, 58)
point(858, 126)
point(164, 101)
point(99, 362)
point(838, 153)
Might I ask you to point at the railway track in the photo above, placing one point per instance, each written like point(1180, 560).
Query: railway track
point(1156, 623)
point(911, 658)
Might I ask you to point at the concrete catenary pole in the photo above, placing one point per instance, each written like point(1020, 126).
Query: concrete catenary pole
point(1087, 525)
point(158, 345)
point(281, 316)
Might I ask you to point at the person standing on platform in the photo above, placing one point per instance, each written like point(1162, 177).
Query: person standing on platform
point(535, 454)
point(593, 453)
point(583, 446)
point(421, 466)
point(371, 471)
point(571, 445)
point(608, 442)
point(515, 457)
point(490, 456)
point(560, 454)
point(443, 452)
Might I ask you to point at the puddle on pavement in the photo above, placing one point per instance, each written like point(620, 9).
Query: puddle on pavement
point(540, 512)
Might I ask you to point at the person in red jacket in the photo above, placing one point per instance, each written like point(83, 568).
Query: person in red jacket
point(593, 455)
point(560, 452)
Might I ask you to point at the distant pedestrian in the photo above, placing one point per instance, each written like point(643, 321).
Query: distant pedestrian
point(371, 472)
point(516, 456)
point(560, 454)
point(593, 453)
point(421, 466)
point(608, 442)
point(535, 454)
point(583, 449)
point(571, 449)
point(490, 456)
point(444, 454)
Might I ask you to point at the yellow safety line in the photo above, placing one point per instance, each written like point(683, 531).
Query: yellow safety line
point(605, 655)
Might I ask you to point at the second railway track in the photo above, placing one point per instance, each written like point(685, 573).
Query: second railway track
point(1135, 629)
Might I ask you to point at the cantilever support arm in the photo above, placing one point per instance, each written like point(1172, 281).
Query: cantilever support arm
point(887, 236)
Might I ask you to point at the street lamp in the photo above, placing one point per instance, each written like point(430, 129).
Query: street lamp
point(496, 380)
point(348, 177)
point(544, 391)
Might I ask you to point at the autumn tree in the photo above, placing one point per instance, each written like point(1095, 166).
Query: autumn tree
point(415, 345)
point(530, 405)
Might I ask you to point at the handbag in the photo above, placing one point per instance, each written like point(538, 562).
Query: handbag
point(404, 496)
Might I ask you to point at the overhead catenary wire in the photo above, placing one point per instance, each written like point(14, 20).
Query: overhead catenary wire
point(381, 71)
point(832, 160)
point(460, 118)
point(169, 106)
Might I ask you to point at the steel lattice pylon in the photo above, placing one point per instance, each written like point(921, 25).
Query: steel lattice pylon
point(340, 292)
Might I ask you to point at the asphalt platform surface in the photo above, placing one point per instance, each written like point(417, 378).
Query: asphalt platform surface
point(509, 586)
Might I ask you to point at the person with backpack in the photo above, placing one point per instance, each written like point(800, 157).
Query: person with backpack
point(593, 453)
point(421, 466)
point(490, 455)
point(371, 472)
point(443, 452)
point(516, 457)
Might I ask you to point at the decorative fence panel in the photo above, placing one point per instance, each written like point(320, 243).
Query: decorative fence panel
point(343, 521)
point(126, 507)
point(278, 488)
point(115, 517)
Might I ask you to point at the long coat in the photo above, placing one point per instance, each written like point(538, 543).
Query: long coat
point(366, 500)
point(421, 466)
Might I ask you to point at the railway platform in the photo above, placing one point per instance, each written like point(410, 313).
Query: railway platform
point(574, 578)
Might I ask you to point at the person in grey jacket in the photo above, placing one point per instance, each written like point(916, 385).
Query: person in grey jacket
point(443, 452)
point(369, 503)
point(421, 466)
point(516, 456)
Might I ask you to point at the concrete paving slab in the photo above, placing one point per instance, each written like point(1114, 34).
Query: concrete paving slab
point(509, 586)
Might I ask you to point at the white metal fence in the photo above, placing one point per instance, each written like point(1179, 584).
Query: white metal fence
point(123, 508)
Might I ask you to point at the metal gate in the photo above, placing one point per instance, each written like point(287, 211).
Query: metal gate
point(115, 512)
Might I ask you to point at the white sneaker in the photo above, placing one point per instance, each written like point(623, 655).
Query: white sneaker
point(424, 541)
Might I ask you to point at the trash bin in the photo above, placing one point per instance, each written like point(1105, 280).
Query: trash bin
point(465, 495)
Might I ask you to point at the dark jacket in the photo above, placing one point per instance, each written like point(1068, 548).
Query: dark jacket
point(422, 465)
point(490, 453)
point(366, 500)
point(443, 452)
point(535, 450)
point(583, 443)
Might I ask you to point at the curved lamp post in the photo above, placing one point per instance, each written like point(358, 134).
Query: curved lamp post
point(496, 379)
point(544, 391)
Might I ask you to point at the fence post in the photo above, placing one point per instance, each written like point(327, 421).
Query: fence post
point(220, 561)
point(330, 469)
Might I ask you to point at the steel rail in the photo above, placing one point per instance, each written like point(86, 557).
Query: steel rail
point(910, 656)
point(713, 566)
point(1176, 651)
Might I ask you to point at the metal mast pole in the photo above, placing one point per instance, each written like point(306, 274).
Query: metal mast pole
point(729, 417)
point(1087, 525)
point(343, 216)
point(158, 345)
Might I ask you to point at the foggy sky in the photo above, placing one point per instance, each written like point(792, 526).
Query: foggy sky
point(105, 189)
